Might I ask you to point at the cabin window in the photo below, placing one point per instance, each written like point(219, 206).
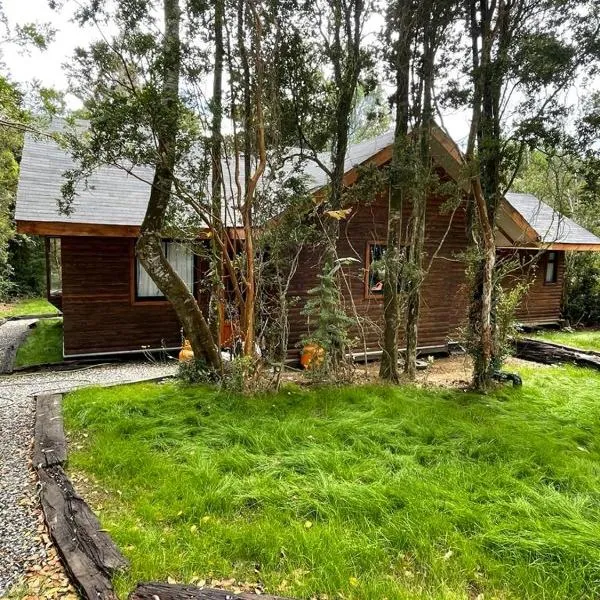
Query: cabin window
point(551, 268)
point(180, 257)
point(375, 268)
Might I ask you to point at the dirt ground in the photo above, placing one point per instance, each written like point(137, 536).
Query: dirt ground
point(454, 371)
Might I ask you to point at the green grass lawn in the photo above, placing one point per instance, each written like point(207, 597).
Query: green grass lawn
point(27, 306)
point(43, 345)
point(356, 493)
point(586, 340)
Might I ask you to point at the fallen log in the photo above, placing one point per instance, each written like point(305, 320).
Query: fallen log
point(550, 354)
point(88, 553)
point(573, 348)
point(50, 444)
point(167, 591)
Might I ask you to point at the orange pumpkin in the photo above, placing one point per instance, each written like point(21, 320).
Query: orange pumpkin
point(312, 356)
point(186, 352)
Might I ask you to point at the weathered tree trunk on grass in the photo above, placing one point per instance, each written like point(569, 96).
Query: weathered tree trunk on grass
point(166, 591)
point(484, 184)
point(551, 354)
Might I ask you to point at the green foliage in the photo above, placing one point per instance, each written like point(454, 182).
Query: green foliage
point(27, 261)
point(21, 257)
point(511, 284)
point(582, 289)
point(328, 323)
point(43, 345)
point(196, 371)
point(370, 115)
point(10, 150)
point(368, 492)
point(280, 248)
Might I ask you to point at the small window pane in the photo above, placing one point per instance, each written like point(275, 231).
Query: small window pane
point(376, 268)
point(146, 288)
point(54, 261)
point(551, 268)
point(182, 260)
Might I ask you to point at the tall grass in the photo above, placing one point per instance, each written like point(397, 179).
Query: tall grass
point(43, 345)
point(362, 493)
point(588, 339)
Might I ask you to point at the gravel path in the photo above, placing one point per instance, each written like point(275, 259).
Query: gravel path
point(12, 334)
point(20, 543)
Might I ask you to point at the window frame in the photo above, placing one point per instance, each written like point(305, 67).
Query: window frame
point(554, 262)
point(367, 291)
point(155, 300)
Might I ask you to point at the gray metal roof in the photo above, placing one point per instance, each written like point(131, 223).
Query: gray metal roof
point(112, 196)
point(115, 197)
point(550, 225)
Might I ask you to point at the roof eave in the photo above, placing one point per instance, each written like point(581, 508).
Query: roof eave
point(553, 246)
point(68, 228)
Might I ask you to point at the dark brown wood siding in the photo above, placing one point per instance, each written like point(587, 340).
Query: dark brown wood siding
point(543, 301)
point(444, 298)
point(100, 314)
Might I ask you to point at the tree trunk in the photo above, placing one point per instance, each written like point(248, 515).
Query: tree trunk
point(483, 195)
point(216, 298)
point(415, 283)
point(388, 368)
point(149, 246)
point(252, 126)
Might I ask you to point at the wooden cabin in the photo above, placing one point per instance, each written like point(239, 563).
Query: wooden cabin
point(110, 305)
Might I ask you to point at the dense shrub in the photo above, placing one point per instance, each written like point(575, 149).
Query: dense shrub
point(582, 289)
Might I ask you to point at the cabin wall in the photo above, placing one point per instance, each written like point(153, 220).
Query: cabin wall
point(443, 306)
point(100, 312)
point(543, 302)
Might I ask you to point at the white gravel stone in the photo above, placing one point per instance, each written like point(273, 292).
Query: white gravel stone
point(12, 334)
point(18, 540)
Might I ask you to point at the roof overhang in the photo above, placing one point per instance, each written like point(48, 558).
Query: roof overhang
point(514, 232)
point(68, 228)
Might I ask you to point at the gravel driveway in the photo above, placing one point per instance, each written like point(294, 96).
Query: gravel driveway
point(19, 542)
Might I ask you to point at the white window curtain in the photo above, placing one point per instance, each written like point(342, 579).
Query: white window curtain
point(182, 260)
point(180, 257)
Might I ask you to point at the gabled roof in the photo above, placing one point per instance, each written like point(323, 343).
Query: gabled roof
point(525, 221)
point(114, 200)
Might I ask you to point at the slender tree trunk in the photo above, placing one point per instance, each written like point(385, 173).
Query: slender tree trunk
point(484, 189)
point(149, 246)
point(413, 300)
point(345, 56)
point(391, 294)
point(255, 126)
point(216, 300)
